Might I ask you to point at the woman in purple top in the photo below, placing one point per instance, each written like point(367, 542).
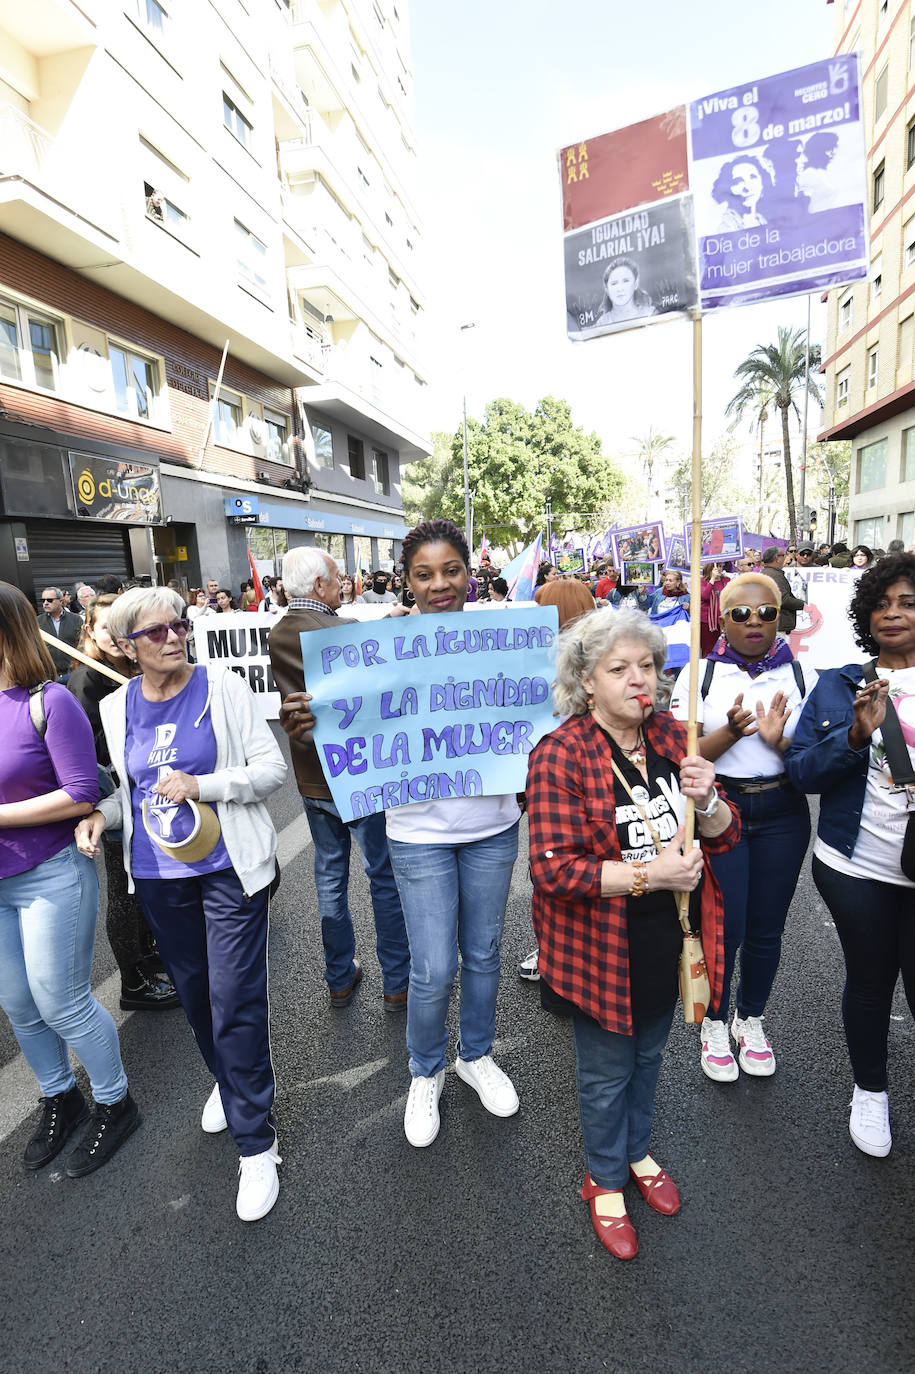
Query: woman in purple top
point(195, 762)
point(49, 901)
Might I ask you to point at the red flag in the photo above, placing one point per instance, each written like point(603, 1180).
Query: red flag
point(358, 582)
point(258, 589)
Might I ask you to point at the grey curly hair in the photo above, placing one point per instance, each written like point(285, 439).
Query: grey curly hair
point(586, 641)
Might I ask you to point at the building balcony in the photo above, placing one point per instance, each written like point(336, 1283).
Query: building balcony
point(44, 28)
point(46, 200)
point(379, 402)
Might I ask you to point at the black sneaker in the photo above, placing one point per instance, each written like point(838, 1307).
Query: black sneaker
point(60, 1116)
point(108, 1128)
point(144, 990)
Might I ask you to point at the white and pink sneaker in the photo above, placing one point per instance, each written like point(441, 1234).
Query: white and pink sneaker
point(717, 1060)
point(755, 1052)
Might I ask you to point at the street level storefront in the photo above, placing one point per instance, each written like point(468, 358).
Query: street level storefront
point(72, 513)
point(271, 528)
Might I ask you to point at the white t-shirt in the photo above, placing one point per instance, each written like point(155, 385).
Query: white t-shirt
point(884, 815)
point(749, 757)
point(452, 820)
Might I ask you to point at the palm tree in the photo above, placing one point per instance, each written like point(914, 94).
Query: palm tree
point(773, 374)
point(650, 449)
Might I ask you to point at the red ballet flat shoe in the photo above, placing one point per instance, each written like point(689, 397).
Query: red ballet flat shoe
point(616, 1234)
point(658, 1190)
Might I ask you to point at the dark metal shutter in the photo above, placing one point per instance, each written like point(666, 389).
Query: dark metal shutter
point(62, 552)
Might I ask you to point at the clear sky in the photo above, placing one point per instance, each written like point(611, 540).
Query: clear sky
point(501, 85)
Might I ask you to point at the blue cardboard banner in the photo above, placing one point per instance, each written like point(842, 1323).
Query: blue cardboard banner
point(428, 706)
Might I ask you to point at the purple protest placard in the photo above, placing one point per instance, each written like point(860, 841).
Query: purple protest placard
point(778, 174)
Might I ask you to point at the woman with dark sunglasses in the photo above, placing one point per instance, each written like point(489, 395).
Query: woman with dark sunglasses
point(195, 763)
point(750, 699)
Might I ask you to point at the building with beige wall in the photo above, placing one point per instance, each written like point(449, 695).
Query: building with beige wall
point(173, 177)
point(868, 355)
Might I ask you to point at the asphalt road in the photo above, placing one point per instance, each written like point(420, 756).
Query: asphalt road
point(793, 1251)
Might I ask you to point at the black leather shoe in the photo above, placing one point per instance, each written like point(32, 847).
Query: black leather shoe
point(60, 1116)
point(108, 1128)
point(148, 991)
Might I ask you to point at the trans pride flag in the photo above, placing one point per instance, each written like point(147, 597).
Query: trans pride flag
point(521, 572)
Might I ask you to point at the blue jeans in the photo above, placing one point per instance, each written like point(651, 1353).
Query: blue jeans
point(47, 934)
point(617, 1077)
point(453, 899)
point(757, 880)
point(213, 942)
point(332, 839)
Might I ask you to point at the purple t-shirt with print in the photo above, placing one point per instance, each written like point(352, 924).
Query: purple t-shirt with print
point(30, 767)
point(165, 737)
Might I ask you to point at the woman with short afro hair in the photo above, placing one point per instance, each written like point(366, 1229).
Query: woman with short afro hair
point(860, 862)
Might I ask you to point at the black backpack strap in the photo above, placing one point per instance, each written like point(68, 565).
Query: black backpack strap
point(707, 680)
point(897, 751)
point(799, 678)
point(36, 709)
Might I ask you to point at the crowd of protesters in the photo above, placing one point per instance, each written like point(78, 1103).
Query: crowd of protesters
point(132, 754)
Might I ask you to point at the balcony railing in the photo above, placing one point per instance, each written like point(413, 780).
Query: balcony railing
point(24, 146)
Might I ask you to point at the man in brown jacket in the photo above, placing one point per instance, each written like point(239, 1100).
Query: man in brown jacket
point(312, 584)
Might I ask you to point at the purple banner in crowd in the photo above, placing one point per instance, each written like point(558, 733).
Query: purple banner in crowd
point(779, 183)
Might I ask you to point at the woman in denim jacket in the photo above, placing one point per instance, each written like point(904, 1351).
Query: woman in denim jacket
point(838, 751)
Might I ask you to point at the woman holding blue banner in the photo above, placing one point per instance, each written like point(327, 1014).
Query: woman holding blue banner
point(752, 690)
point(453, 862)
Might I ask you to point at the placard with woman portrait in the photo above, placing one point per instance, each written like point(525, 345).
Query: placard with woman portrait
point(632, 269)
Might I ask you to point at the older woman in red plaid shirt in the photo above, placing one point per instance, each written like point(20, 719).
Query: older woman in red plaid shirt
point(606, 798)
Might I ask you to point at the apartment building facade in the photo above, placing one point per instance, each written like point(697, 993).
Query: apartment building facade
point(210, 311)
point(868, 355)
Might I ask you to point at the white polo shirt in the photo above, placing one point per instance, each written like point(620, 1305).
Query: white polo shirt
point(749, 757)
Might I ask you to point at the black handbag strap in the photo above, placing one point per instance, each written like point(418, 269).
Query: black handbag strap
point(897, 751)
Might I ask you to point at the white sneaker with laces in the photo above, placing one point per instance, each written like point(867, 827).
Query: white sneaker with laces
point(869, 1124)
point(529, 967)
point(258, 1185)
point(493, 1087)
point(213, 1119)
point(755, 1055)
point(716, 1059)
point(421, 1118)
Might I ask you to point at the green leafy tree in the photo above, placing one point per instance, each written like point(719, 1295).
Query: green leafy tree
point(773, 375)
point(518, 461)
point(821, 460)
point(423, 483)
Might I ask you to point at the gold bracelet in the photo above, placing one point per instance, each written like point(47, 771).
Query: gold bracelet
point(640, 879)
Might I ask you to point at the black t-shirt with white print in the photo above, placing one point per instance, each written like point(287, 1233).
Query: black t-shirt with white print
point(655, 933)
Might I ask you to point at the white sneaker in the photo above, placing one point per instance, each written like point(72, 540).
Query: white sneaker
point(716, 1058)
point(756, 1057)
point(493, 1087)
point(213, 1119)
point(529, 967)
point(421, 1118)
point(258, 1185)
point(869, 1124)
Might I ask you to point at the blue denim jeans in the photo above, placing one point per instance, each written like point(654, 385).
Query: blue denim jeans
point(47, 934)
point(617, 1077)
point(757, 880)
point(332, 839)
point(453, 899)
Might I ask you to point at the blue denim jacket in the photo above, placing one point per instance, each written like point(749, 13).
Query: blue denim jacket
point(819, 759)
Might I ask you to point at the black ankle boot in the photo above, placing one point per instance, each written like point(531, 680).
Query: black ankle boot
point(60, 1116)
point(108, 1128)
point(142, 989)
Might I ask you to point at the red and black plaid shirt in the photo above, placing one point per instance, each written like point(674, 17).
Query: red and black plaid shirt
point(584, 947)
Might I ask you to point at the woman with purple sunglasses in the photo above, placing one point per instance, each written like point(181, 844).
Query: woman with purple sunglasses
point(195, 762)
point(751, 694)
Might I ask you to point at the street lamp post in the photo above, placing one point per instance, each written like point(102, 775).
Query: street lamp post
point(468, 532)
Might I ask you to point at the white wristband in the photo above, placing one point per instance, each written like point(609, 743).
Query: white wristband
point(711, 808)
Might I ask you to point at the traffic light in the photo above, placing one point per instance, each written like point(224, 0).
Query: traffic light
point(812, 522)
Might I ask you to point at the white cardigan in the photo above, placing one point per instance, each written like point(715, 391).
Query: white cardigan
point(249, 766)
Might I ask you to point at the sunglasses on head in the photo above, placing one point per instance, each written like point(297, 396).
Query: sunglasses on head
point(740, 614)
point(158, 634)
